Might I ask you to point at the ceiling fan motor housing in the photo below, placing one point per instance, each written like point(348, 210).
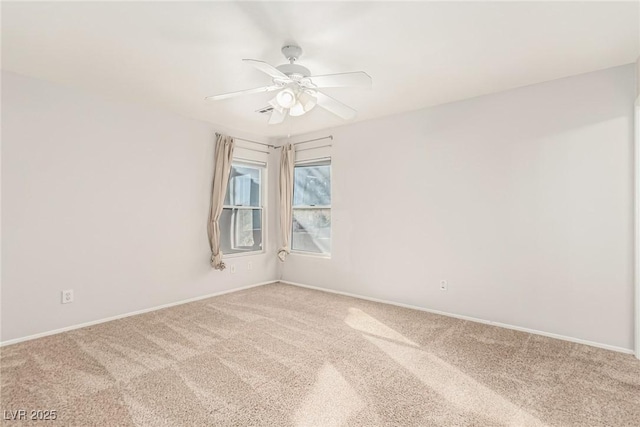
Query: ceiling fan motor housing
point(294, 71)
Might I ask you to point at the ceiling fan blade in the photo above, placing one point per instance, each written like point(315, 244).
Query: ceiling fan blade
point(242, 92)
point(334, 106)
point(355, 79)
point(277, 116)
point(268, 69)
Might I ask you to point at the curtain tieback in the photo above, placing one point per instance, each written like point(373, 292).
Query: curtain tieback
point(282, 254)
point(216, 261)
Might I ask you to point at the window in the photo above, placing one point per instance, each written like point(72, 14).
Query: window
point(242, 215)
point(312, 207)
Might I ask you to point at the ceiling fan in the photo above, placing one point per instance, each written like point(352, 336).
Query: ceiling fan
point(298, 90)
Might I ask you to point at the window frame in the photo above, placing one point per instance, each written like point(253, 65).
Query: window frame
point(262, 168)
point(309, 162)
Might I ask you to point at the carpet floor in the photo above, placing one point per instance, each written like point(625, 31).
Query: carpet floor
point(279, 355)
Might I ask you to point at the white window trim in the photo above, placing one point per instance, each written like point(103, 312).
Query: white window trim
point(263, 206)
point(312, 207)
point(637, 227)
point(323, 255)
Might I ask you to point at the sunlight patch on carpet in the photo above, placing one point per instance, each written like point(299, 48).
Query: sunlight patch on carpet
point(330, 402)
point(361, 321)
point(455, 386)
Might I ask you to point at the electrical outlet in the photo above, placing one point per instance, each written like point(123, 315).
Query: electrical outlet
point(249, 265)
point(232, 268)
point(67, 296)
point(444, 285)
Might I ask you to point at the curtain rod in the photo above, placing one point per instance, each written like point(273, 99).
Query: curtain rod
point(276, 147)
point(312, 140)
point(250, 140)
point(313, 148)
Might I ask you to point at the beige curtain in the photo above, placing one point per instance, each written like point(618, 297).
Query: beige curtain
point(287, 159)
point(223, 157)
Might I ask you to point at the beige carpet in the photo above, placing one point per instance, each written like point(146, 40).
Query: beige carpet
point(280, 355)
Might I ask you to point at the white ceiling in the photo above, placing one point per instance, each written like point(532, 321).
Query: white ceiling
point(419, 54)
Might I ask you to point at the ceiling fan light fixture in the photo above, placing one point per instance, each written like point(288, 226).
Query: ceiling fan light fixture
point(286, 98)
point(297, 110)
point(307, 100)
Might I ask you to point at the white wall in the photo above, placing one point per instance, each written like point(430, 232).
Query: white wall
point(105, 198)
point(522, 200)
point(638, 77)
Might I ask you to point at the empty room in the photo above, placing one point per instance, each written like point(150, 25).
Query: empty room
point(320, 213)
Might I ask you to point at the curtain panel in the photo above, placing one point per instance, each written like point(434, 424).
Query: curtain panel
point(287, 160)
point(222, 160)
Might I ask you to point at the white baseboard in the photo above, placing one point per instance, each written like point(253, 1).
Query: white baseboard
point(413, 307)
point(471, 319)
point(133, 313)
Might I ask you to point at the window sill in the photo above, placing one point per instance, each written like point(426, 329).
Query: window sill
point(311, 255)
point(243, 254)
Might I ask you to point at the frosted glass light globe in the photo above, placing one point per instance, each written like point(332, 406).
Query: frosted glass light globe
point(286, 98)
